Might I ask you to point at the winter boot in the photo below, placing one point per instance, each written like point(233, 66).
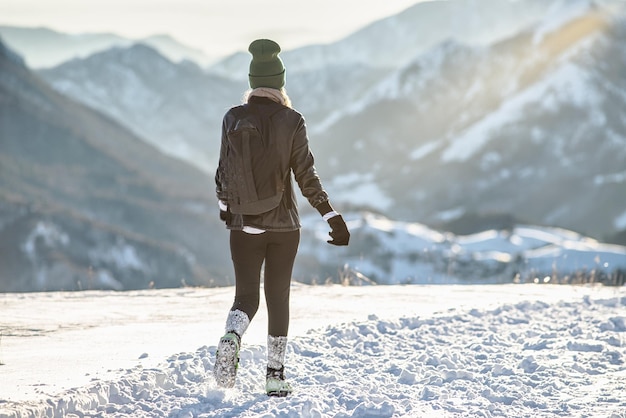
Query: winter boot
point(275, 384)
point(227, 355)
point(227, 360)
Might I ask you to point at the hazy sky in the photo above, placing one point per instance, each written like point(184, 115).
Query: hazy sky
point(215, 26)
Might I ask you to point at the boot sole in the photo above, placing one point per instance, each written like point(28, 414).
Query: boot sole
point(226, 363)
point(279, 394)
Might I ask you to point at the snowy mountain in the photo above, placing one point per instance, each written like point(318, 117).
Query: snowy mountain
point(324, 78)
point(529, 126)
point(176, 107)
point(391, 42)
point(43, 47)
point(86, 204)
point(179, 107)
point(383, 251)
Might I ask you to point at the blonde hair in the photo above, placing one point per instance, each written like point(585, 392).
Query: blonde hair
point(283, 97)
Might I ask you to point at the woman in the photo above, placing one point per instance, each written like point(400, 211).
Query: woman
point(263, 142)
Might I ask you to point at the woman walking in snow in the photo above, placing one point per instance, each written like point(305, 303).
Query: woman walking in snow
point(263, 142)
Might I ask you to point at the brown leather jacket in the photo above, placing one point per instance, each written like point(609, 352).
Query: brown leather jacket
point(287, 132)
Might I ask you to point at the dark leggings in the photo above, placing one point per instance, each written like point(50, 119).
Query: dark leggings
point(249, 251)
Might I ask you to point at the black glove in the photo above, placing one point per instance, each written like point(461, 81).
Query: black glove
point(339, 234)
point(339, 231)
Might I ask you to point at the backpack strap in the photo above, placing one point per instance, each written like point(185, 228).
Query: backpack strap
point(246, 158)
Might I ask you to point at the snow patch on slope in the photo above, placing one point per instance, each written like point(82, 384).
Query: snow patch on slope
point(559, 14)
point(567, 84)
point(405, 252)
point(359, 189)
point(401, 83)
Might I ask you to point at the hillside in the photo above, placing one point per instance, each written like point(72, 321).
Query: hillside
point(527, 127)
point(384, 251)
point(84, 203)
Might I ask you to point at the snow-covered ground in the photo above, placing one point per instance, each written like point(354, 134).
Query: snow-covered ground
point(517, 350)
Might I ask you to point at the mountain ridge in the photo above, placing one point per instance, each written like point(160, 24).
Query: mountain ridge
point(436, 155)
point(176, 107)
point(43, 47)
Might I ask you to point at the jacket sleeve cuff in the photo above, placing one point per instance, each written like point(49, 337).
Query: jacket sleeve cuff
point(330, 214)
point(324, 208)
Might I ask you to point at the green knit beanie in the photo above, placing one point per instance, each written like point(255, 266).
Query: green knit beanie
point(266, 67)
